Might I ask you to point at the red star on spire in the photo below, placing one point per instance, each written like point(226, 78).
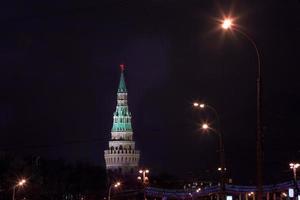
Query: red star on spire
point(122, 67)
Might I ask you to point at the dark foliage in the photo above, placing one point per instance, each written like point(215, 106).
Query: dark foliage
point(51, 179)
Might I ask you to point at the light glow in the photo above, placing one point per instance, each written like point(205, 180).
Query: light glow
point(227, 24)
point(294, 165)
point(205, 126)
point(291, 192)
point(21, 182)
point(117, 184)
point(284, 194)
point(228, 197)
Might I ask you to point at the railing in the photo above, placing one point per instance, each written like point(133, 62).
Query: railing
point(230, 189)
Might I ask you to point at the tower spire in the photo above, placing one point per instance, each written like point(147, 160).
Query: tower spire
point(122, 85)
point(122, 67)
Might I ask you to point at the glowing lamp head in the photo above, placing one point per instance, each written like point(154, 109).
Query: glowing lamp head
point(205, 126)
point(227, 24)
point(117, 184)
point(294, 165)
point(251, 193)
point(195, 104)
point(141, 171)
point(199, 105)
point(21, 182)
point(147, 171)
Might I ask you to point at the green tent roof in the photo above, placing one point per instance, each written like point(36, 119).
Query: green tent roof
point(122, 85)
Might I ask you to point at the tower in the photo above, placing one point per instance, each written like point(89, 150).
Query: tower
point(121, 158)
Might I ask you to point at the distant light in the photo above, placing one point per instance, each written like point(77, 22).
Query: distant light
point(219, 169)
point(147, 171)
point(291, 192)
point(202, 105)
point(141, 171)
point(284, 194)
point(228, 197)
point(139, 178)
point(196, 104)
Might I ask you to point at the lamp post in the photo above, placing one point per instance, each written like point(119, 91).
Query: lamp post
point(115, 185)
point(20, 183)
point(222, 169)
point(293, 167)
point(144, 178)
point(227, 24)
point(206, 127)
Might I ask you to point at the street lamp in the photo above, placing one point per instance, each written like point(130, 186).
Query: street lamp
point(144, 178)
point(221, 169)
point(206, 127)
point(227, 24)
point(293, 167)
point(20, 183)
point(204, 106)
point(113, 185)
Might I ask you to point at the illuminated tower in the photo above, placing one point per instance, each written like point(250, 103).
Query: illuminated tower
point(121, 157)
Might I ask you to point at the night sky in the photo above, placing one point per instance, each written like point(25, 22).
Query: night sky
point(59, 77)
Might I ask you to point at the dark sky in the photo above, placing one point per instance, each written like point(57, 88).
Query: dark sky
point(59, 76)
